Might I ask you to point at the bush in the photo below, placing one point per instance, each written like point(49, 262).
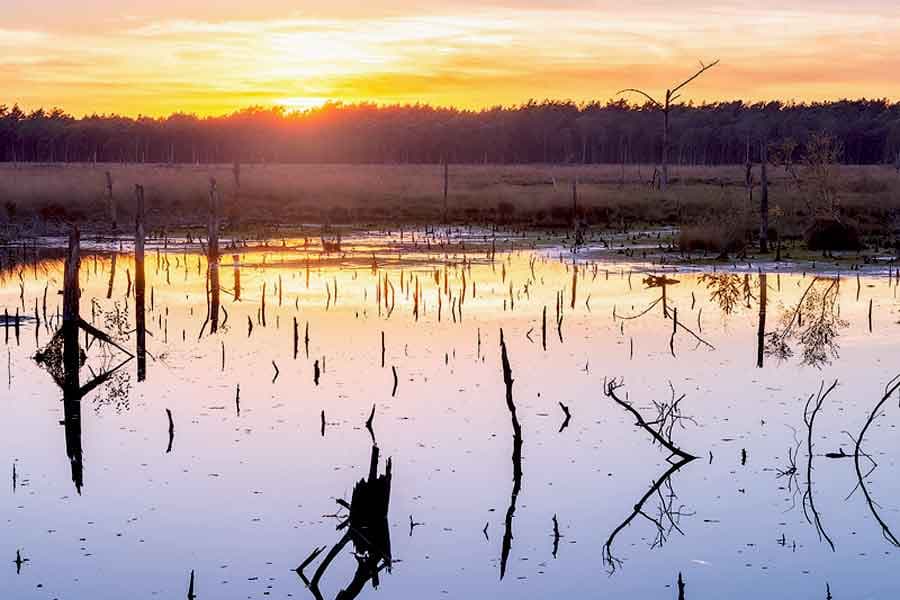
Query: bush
point(828, 233)
point(718, 238)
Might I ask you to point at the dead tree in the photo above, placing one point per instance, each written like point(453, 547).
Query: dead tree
point(763, 199)
point(63, 357)
point(672, 96)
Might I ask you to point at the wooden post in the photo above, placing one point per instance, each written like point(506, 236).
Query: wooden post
point(763, 199)
point(72, 359)
point(111, 202)
point(140, 284)
point(664, 177)
point(446, 187)
point(71, 299)
point(212, 256)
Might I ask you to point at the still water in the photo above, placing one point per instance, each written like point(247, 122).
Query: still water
point(269, 439)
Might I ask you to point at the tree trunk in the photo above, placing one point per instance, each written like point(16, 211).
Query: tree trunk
point(664, 179)
point(763, 199)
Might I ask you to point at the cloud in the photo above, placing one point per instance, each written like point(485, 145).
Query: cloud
point(458, 52)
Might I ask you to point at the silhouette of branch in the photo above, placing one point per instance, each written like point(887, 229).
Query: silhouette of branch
point(889, 390)
point(609, 557)
point(669, 416)
point(642, 93)
point(703, 68)
point(810, 411)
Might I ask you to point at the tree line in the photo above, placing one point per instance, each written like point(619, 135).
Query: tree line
point(561, 132)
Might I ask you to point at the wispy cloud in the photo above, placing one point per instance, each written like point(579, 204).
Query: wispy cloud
point(464, 54)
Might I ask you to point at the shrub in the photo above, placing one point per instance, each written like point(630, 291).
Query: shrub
point(828, 233)
point(718, 238)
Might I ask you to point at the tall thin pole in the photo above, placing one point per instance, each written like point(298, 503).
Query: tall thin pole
point(446, 188)
point(212, 256)
point(763, 199)
point(139, 284)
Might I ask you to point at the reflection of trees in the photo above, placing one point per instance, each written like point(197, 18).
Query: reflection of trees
point(725, 289)
point(814, 323)
point(663, 282)
point(666, 517)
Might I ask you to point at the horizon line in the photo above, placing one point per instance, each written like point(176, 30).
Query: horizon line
point(288, 111)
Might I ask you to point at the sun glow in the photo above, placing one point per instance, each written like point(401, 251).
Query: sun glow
point(300, 103)
point(449, 55)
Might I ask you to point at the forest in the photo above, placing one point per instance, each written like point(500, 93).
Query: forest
point(550, 132)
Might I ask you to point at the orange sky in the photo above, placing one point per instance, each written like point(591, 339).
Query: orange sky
point(127, 57)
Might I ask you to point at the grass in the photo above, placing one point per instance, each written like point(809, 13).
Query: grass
point(711, 204)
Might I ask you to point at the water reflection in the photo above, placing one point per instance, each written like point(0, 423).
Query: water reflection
point(516, 458)
point(813, 323)
point(63, 358)
point(365, 324)
point(666, 518)
point(366, 528)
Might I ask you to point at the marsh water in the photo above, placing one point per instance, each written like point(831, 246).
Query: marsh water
point(269, 440)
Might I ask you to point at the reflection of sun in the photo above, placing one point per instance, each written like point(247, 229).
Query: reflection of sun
point(300, 102)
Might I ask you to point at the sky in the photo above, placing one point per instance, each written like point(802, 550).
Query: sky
point(209, 57)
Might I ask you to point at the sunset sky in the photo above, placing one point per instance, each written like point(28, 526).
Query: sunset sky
point(156, 57)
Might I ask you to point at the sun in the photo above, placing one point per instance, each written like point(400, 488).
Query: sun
point(300, 102)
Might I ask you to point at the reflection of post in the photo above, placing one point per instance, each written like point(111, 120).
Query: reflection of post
point(72, 423)
point(112, 277)
point(516, 458)
point(72, 358)
point(212, 257)
point(236, 259)
point(664, 302)
point(139, 284)
point(761, 332)
point(367, 528)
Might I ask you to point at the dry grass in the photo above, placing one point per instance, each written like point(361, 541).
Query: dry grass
point(533, 195)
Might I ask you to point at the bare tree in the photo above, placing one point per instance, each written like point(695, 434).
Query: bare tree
point(672, 95)
point(763, 199)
